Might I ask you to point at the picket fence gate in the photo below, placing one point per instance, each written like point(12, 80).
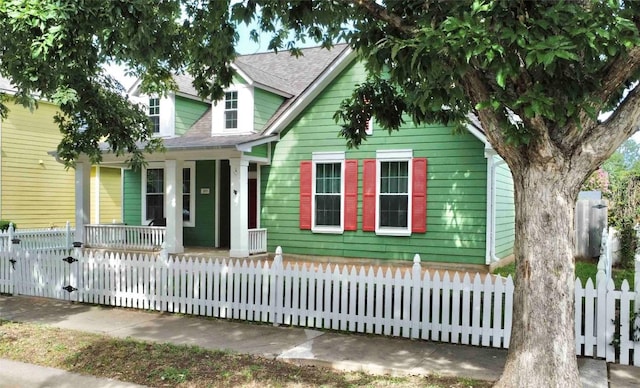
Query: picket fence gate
point(408, 303)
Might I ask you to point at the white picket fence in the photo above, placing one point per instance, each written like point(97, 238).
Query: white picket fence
point(37, 239)
point(408, 303)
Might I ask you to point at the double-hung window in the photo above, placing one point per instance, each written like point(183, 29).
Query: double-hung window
point(393, 186)
point(328, 196)
point(154, 113)
point(153, 198)
point(154, 208)
point(329, 193)
point(393, 196)
point(231, 110)
point(394, 193)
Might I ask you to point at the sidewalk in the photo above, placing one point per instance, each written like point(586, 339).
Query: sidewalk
point(297, 345)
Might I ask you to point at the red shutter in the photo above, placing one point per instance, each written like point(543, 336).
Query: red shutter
point(351, 195)
point(369, 195)
point(419, 196)
point(306, 174)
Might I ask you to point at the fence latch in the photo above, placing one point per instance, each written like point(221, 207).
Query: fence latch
point(13, 263)
point(69, 289)
point(69, 259)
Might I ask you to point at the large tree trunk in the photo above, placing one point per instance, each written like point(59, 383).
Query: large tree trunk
point(542, 349)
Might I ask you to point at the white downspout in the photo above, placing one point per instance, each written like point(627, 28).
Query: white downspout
point(492, 164)
point(489, 239)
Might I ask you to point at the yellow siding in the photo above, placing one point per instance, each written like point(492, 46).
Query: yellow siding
point(110, 195)
point(36, 190)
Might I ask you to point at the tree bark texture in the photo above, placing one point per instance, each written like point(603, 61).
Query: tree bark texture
point(542, 349)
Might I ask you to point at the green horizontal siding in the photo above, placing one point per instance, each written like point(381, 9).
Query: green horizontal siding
point(505, 212)
point(261, 151)
point(132, 197)
point(188, 111)
point(265, 105)
point(456, 186)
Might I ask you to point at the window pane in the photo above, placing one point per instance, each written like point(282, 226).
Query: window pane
point(155, 181)
point(186, 180)
point(328, 194)
point(154, 113)
point(231, 100)
point(328, 210)
point(186, 207)
point(155, 206)
point(394, 194)
point(393, 210)
point(186, 194)
point(231, 119)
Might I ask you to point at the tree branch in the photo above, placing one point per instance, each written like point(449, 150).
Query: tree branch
point(379, 12)
point(601, 141)
point(618, 72)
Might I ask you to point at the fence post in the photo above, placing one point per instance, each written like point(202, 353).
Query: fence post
point(278, 283)
point(10, 238)
point(416, 279)
point(69, 241)
point(605, 252)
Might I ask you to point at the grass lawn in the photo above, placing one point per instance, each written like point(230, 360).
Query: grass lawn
point(164, 365)
point(584, 270)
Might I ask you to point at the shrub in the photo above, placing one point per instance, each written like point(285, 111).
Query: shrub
point(4, 225)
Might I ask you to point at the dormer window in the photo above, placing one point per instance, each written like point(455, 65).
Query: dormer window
point(154, 113)
point(231, 110)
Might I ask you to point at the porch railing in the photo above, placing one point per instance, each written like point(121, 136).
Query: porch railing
point(124, 236)
point(257, 241)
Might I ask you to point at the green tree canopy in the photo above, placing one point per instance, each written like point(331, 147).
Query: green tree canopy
point(535, 74)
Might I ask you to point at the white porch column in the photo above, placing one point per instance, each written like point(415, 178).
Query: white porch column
point(173, 205)
point(239, 203)
point(83, 199)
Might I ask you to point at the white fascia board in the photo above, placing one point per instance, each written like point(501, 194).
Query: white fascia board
point(246, 147)
point(242, 74)
point(478, 134)
point(134, 89)
point(312, 92)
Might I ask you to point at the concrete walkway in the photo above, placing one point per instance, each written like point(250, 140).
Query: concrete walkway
point(301, 346)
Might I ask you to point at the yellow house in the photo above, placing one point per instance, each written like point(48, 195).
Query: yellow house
point(36, 191)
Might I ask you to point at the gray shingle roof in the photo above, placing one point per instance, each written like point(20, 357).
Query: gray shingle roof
point(185, 84)
point(285, 72)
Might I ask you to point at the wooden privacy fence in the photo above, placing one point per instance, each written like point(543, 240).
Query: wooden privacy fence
point(409, 303)
point(37, 239)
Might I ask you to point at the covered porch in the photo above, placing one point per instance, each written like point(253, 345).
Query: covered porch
point(205, 197)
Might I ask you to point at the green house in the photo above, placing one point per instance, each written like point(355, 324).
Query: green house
point(265, 167)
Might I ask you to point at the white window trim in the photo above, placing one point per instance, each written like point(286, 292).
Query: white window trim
point(321, 158)
point(394, 156)
point(192, 204)
point(245, 112)
point(167, 115)
point(369, 129)
point(225, 110)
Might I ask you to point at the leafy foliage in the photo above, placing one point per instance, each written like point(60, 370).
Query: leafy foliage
point(619, 181)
